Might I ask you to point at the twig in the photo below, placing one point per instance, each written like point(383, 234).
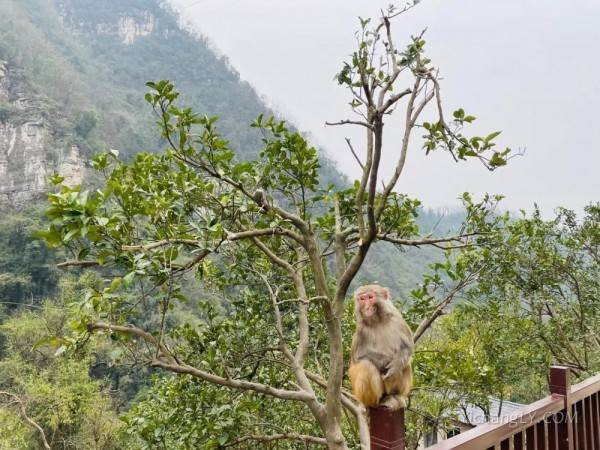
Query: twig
point(32, 422)
point(77, 263)
point(350, 122)
point(362, 166)
point(281, 436)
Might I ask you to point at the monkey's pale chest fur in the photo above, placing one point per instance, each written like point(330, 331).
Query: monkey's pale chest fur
point(380, 342)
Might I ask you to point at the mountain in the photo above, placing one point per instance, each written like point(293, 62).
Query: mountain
point(72, 82)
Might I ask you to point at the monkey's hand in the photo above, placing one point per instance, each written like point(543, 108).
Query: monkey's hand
point(390, 370)
point(396, 365)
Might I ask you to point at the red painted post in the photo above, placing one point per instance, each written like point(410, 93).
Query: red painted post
point(560, 384)
point(386, 428)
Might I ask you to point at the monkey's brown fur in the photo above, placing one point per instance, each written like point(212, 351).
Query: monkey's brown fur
point(382, 349)
point(367, 384)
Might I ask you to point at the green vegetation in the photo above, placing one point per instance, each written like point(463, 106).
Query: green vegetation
point(27, 266)
point(258, 230)
point(48, 399)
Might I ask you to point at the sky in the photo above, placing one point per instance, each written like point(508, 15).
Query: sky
point(526, 67)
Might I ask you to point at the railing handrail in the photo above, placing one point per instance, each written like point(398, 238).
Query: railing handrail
point(585, 388)
point(490, 434)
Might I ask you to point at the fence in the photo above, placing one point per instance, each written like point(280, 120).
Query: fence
point(568, 419)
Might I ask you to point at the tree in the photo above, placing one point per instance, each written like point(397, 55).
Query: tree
point(549, 268)
point(281, 249)
point(535, 303)
point(27, 268)
point(479, 351)
point(86, 122)
point(47, 397)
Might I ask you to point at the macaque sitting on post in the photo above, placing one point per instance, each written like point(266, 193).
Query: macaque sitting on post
point(382, 349)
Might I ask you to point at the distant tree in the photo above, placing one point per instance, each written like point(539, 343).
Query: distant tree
point(47, 397)
point(550, 268)
point(536, 302)
point(478, 352)
point(85, 123)
point(281, 249)
point(27, 267)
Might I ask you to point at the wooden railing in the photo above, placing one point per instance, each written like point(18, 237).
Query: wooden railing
point(568, 419)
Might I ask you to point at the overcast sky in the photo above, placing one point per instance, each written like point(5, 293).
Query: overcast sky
point(527, 67)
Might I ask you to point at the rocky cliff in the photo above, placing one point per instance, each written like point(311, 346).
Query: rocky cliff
point(31, 145)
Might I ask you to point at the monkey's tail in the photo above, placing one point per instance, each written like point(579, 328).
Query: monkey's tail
point(366, 381)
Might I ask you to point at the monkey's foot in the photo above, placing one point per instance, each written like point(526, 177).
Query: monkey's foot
point(394, 402)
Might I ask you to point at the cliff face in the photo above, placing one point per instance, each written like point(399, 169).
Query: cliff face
point(127, 25)
point(30, 147)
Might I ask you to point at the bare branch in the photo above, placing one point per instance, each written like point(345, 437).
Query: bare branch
point(425, 241)
point(406, 8)
point(77, 263)
point(393, 99)
point(439, 309)
point(168, 362)
point(158, 244)
point(276, 231)
point(340, 240)
point(350, 122)
point(277, 316)
point(247, 234)
point(281, 436)
point(273, 257)
point(32, 422)
point(408, 127)
point(197, 258)
point(359, 200)
point(131, 329)
point(355, 155)
point(372, 192)
point(303, 323)
point(296, 220)
point(244, 385)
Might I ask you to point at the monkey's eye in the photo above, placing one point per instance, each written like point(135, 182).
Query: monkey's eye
point(366, 298)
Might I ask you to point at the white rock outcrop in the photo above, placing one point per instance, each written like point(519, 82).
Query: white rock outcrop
point(130, 28)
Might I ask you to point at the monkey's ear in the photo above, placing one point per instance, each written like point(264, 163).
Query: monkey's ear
point(386, 293)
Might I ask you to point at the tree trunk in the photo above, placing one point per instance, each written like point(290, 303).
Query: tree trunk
point(334, 436)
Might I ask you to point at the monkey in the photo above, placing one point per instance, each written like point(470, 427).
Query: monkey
point(260, 200)
point(382, 348)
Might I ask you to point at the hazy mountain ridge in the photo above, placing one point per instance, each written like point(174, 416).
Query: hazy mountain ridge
point(92, 59)
point(82, 66)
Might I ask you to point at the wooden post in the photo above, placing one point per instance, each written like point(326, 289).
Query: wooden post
point(560, 384)
point(386, 428)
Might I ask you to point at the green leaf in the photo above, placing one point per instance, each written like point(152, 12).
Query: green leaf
point(491, 136)
point(497, 160)
point(115, 284)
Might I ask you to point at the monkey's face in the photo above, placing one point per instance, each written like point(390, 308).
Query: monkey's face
point(367, 302)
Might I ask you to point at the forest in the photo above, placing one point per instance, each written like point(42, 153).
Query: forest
point(195, 290)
